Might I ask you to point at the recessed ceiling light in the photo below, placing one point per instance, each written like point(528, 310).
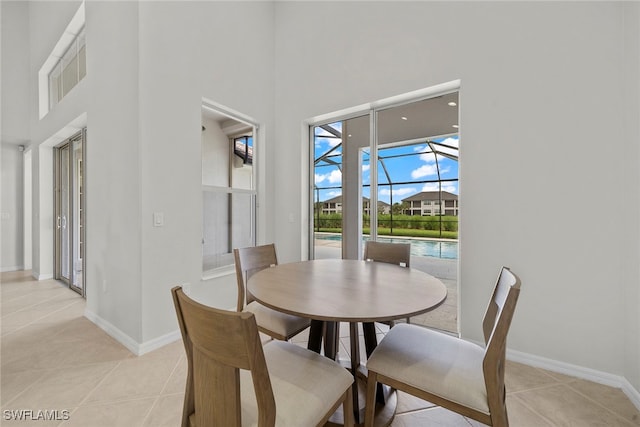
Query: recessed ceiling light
point(349, 135)
point(404, 118)
point(452, 104)
point(455, 126)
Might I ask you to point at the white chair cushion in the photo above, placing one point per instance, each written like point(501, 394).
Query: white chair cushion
point(280, 323)
point(434, 362)
point(305, 385)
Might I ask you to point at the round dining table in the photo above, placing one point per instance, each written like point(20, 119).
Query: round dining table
point(330, 291)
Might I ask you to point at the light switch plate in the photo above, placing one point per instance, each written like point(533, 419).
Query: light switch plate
point(158, 219)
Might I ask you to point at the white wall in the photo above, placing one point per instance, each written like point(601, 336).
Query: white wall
point(14, 126)
point(27, 213)
point(11, 218)
point(632, 179)
point(542, 119)
point(215, 154)
point(215, 171)
point(114, 267)
point(222, 51)
point(15, 72)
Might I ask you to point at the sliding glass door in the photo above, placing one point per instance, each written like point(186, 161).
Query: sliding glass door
point(69, 212)
point(390, 173)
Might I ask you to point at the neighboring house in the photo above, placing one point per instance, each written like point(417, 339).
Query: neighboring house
point(334, 205)
point(383, 207)
point(431, 203)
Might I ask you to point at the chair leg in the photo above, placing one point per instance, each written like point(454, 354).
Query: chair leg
point(500, 418)
point(370, 403)
point(347, 409)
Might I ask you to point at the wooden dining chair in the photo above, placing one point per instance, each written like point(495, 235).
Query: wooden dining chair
point(233, 381)
point(276, 324)
point(391, 253)
point(450, 372)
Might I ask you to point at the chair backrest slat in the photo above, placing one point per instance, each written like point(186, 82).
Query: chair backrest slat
point(507, 281)
point(496, 325)
point(391, 253)
point(221, 342)
point(219, 410)
point(249, 261)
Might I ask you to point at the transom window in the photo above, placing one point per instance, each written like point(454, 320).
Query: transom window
point(69, 70)
point(65, 66)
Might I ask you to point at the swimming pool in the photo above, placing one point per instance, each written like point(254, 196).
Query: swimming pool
point(419, 247)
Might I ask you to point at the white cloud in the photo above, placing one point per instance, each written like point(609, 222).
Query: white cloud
point(424, 170)
point(452, 142)
point(398, 192)
point(365, 168)
point(432, 186)
point(428, 157)
point(322, 141)
point(335, 176)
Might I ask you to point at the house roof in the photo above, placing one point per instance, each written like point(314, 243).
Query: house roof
point(431, 195)
point(338, 199)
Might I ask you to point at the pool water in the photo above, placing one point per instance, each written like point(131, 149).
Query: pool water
point(419, 247)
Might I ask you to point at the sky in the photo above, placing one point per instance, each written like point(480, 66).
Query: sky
point(410, 164)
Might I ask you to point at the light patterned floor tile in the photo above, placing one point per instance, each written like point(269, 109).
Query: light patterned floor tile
point(127, 413)
point(52, 357)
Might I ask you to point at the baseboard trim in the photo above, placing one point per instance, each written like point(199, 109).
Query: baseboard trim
point(36, 275)
point(632, 393)
point(114, 332)
point(14, 268)
point(161, 341)
point(581, 372)
point(132, 345)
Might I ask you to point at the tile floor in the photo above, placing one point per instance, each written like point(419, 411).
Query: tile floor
point(52, 358)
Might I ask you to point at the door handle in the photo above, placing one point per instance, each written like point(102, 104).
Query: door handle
point(58, 222)
point(64, 222)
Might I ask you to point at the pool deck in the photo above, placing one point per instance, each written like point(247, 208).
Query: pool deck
point(444, 317)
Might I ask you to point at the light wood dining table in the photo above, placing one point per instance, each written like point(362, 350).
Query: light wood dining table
point(330, 291)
